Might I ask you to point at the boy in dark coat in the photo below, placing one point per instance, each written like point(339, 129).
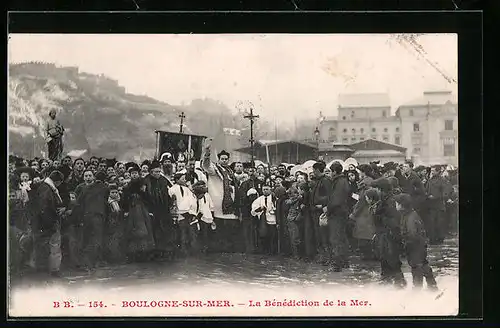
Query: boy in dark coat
point(388, 236)
point(414, 242)
point(294, 215)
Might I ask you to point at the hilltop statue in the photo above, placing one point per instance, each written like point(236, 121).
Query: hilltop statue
point(54, 132)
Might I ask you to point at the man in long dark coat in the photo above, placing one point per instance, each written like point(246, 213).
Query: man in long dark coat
point(337, 212)
point(46, 224)
point(411, 184)
point(248, 193)
point(438, 193)
point(158, 203)
point(320, 193)
point(92, 203)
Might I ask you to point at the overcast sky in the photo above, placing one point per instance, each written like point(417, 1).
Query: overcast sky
point(283, 75)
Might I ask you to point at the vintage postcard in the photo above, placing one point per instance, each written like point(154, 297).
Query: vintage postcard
point(196, 175)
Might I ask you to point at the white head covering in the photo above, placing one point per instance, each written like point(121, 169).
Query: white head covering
point(168, 155)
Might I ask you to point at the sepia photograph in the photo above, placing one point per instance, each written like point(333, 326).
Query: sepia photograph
point(234, 175)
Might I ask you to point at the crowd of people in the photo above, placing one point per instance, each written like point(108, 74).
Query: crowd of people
point(81, 214)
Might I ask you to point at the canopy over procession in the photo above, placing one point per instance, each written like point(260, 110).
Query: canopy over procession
point(188, 201)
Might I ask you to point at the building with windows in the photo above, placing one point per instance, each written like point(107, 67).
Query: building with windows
point(361, 117)
point(430, 125)
point(426, 127)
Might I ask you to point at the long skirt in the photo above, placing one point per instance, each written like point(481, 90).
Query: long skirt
point(55, 149)
point(114, 244)
point(138, 229)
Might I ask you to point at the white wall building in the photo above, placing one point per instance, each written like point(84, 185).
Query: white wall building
point(427, 126)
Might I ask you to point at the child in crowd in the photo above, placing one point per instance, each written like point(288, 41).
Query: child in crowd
point(386, 243)
point(294, 216)
point(414, 242)
point(72, 233)
point(265, 208)
point(204, 214)
point(185, 204)
point(114, 226)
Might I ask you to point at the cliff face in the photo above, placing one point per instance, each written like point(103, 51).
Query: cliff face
point(100, 117)
point(97, 113)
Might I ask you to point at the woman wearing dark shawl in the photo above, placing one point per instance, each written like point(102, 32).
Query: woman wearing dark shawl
point(138, 228)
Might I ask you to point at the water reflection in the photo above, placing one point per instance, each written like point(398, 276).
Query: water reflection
point(242, 269)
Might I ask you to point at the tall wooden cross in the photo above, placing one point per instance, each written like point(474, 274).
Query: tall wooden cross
point(182, 116)
point(252, 118)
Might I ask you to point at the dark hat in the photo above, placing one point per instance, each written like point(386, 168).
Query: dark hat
point(247, 165)
point(404, 199)
point(56, 176)
point(222, 153)
point(365, 168)
point(154, 165)
point(111, 162)
point(133, 167)
point(146, 162)
point(336, 167)
point(382, 183)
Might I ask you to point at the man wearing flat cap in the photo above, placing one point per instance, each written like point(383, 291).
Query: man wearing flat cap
point(411, 184)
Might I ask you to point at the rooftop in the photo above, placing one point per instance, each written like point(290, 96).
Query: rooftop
point(433, 98)
point(366, 100)
point(277, 142)
point(335, 147)
point(372, 144)
point(378, 152)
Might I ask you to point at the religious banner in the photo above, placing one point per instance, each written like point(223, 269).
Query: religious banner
point(181, 146)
